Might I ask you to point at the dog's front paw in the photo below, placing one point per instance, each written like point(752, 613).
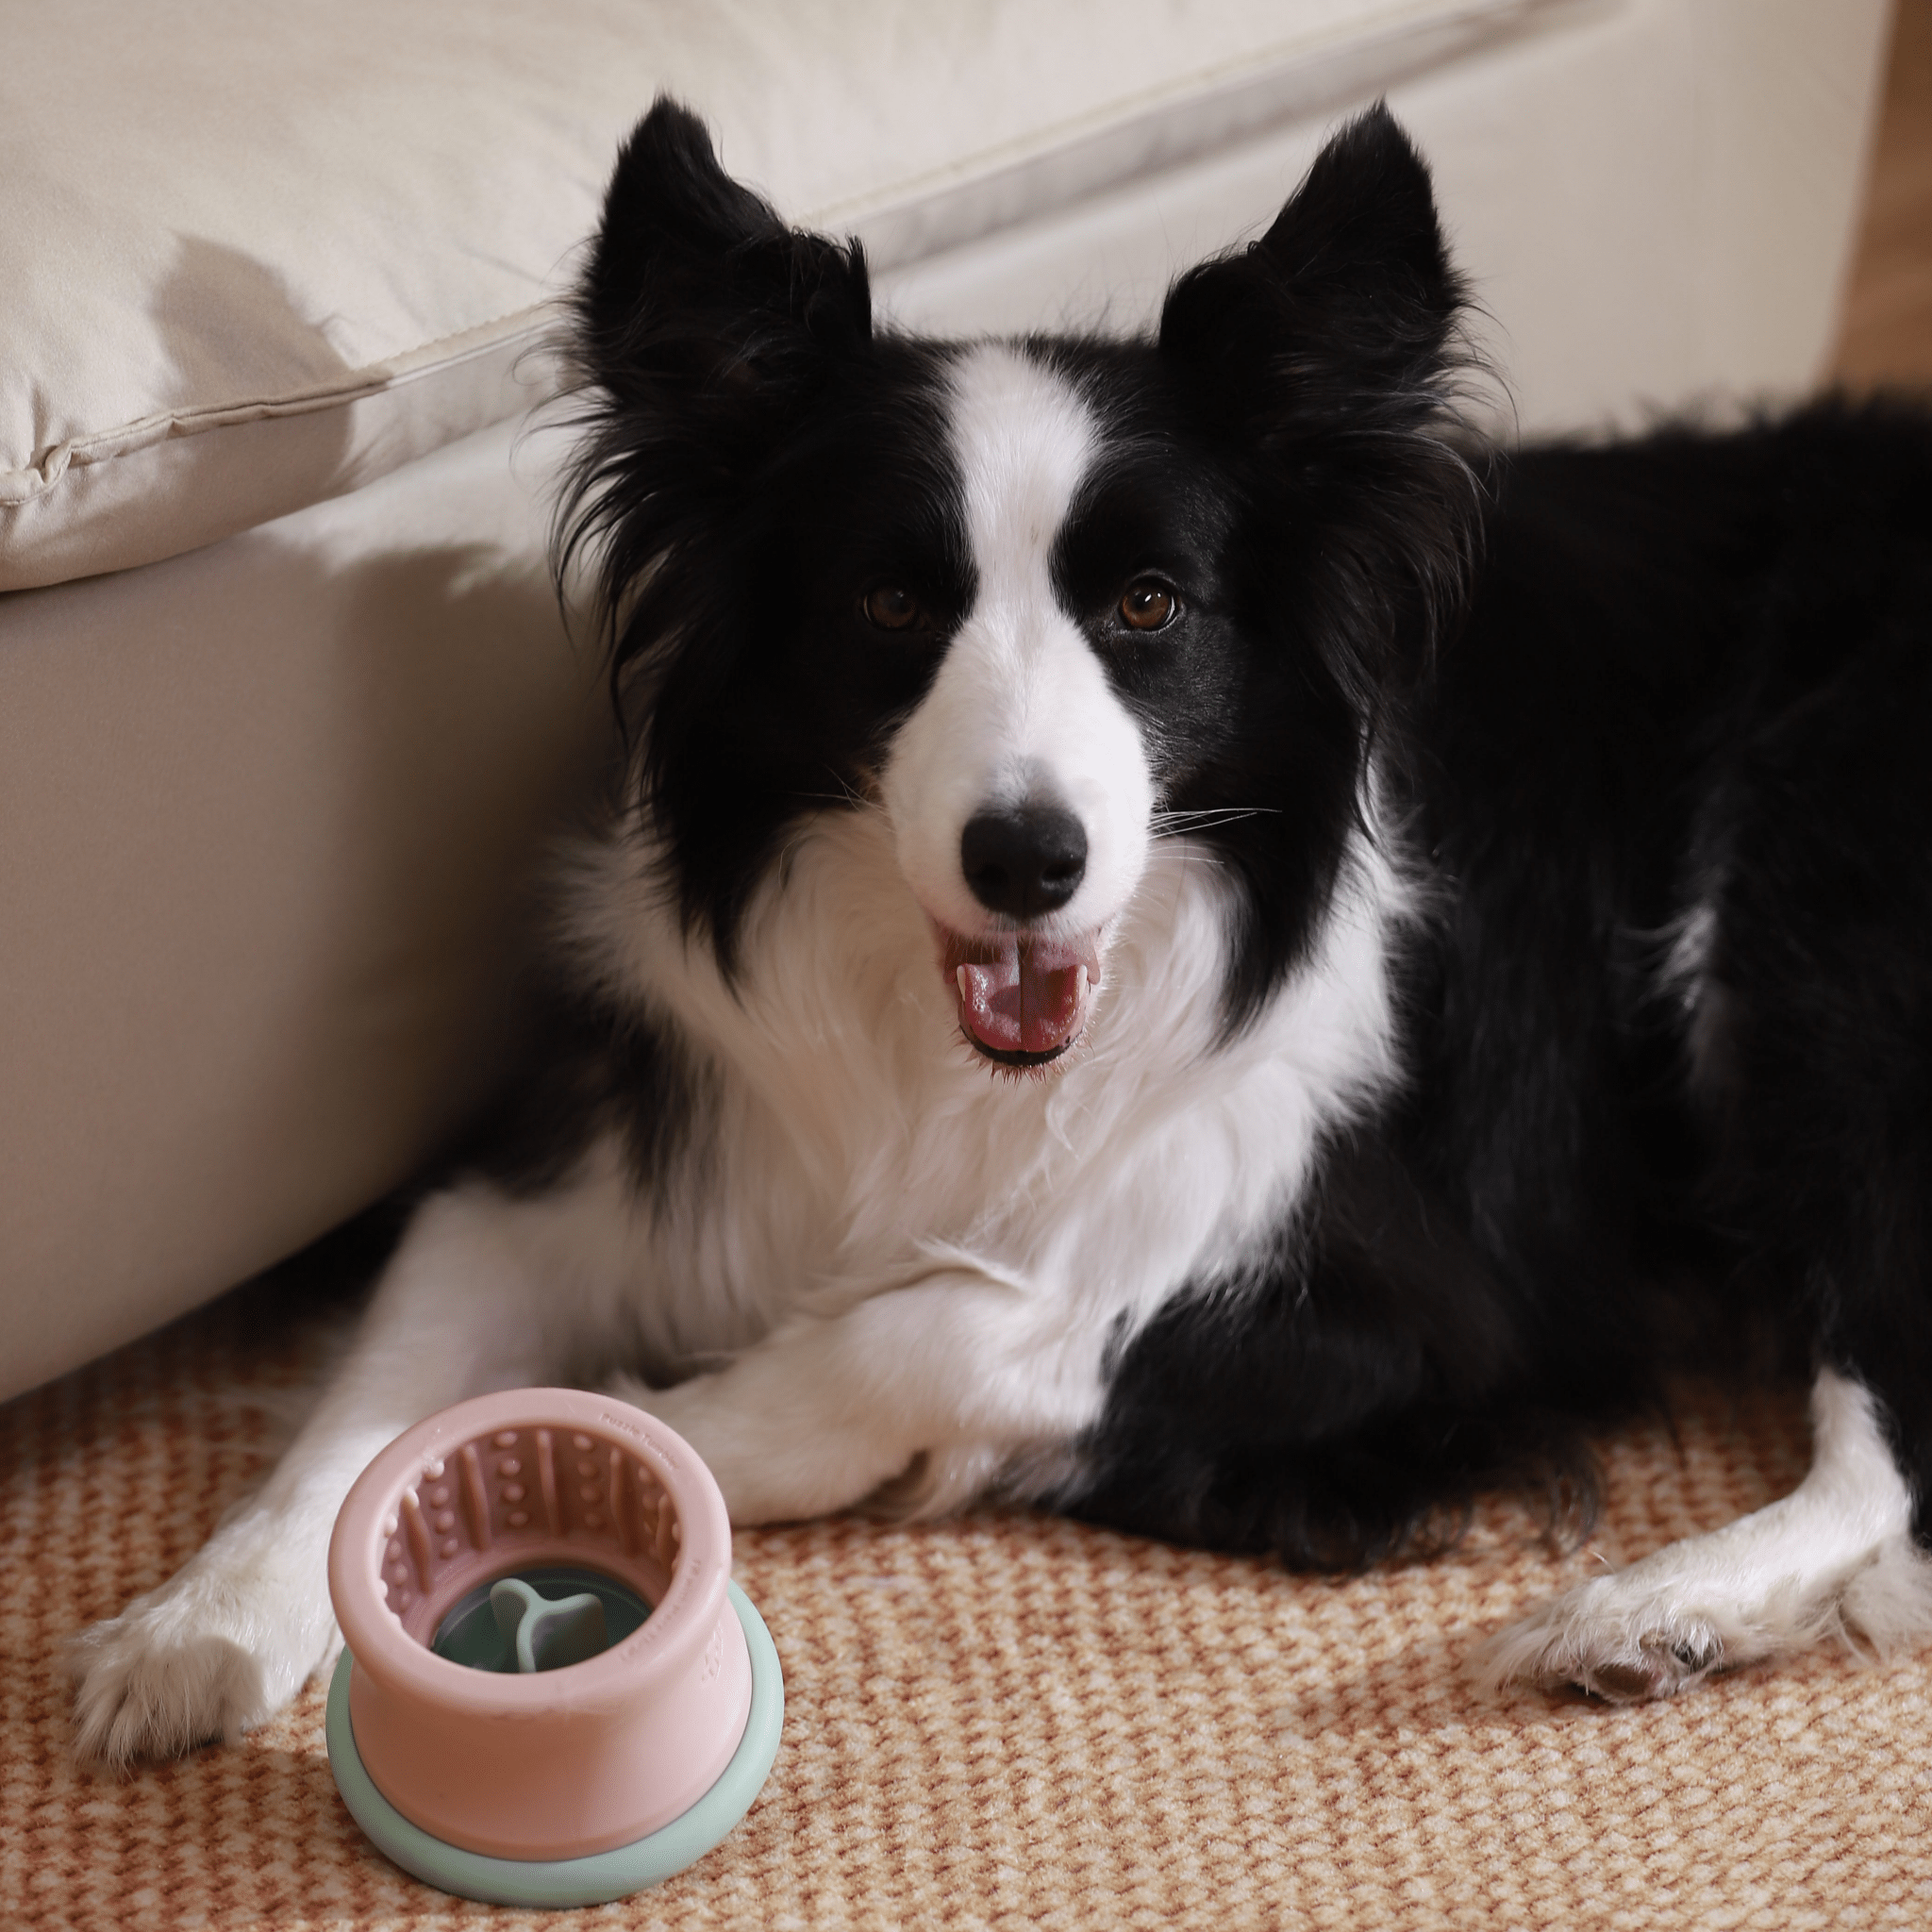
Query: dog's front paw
point(208, 1655)
point(766, 1448)
point(735, 1456)
point(1613, 1637)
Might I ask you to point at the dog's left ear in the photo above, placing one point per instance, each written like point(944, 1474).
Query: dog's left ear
point(1347, 300)
point(1325, 356)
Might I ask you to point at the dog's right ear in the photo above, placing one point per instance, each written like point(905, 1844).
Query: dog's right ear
point(699, 298)
point(704, 329)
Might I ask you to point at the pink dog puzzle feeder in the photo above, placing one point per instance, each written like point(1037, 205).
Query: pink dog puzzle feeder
point(551, 1691)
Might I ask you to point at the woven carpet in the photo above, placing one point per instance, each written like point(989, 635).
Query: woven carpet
point(1009, 1721)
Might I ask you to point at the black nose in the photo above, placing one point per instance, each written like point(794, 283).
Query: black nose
point(1024, 861)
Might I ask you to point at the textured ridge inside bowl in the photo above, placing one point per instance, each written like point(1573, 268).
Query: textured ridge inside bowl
point(516, 1499)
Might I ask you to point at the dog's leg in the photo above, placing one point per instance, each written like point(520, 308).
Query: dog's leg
point(1835, 1557)
point(960, 1368)
point(467, 1305)
point(1811, 1058)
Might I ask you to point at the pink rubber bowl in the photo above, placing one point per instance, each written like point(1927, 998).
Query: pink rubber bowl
point(559, 1763)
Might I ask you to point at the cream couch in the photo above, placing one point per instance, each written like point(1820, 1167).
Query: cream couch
point(286, 704)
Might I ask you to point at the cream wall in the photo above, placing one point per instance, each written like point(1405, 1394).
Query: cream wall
point(1654, 202)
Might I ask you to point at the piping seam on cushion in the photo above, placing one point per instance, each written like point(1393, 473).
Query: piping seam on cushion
point(38, 479)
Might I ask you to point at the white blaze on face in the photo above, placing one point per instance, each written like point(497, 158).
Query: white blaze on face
point(1020, 712)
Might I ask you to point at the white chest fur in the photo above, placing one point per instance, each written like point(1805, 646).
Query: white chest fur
point(854, 1145)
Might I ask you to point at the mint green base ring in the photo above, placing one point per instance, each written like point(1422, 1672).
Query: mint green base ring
point(601, 1876)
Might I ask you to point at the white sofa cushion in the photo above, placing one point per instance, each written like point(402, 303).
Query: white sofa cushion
point(253, 255)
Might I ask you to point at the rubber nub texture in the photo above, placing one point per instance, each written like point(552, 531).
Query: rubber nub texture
point(601, 1876)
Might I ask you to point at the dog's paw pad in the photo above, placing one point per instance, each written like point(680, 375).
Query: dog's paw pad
point(1662, 1667)
point(1610, 1640)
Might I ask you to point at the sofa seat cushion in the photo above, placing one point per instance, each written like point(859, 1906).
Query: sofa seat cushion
point(252, 256)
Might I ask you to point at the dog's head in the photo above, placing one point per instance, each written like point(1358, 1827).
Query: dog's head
point(1039, 603)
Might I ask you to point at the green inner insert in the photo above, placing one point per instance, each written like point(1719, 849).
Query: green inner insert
point(592, 1613)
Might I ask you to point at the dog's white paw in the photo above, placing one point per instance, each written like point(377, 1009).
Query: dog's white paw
point(1709, 1604)
point(218, 1649)
point(766, 1448)
point(1619, 1638)
point(739, 1459)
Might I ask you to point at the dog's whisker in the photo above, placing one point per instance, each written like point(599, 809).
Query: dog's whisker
point(1210, 811)
point(1213, 814)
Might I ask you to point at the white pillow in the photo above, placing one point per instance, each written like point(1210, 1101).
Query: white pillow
point(253, 254)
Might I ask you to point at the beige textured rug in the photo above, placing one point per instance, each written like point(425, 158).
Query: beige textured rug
point(1008, 1722)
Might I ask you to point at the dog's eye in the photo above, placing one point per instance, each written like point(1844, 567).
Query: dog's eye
point(1149, 606)
point(889, 607)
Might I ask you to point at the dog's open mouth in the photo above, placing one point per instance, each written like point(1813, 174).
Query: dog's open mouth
point(1022, 999)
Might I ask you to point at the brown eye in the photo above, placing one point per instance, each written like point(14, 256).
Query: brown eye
point(892, 608)
point(1148, 605)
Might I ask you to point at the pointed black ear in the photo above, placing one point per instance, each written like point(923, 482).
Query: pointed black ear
point(1350, 294)
point(704, 329)
point(693, 279)
point(1325, 360)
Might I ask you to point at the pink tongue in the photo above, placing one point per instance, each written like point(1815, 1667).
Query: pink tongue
point(1031, 1000)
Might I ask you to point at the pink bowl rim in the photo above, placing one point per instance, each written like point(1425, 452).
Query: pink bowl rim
point(679, 1624)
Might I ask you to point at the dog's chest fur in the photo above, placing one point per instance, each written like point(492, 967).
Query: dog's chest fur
point(832, 1155)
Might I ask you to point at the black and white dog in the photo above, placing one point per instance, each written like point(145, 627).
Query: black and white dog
point(1185, 942)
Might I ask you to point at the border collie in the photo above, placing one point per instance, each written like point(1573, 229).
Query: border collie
point(1184, 942)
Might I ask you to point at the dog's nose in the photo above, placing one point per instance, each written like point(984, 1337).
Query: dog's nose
point(1025, 860)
